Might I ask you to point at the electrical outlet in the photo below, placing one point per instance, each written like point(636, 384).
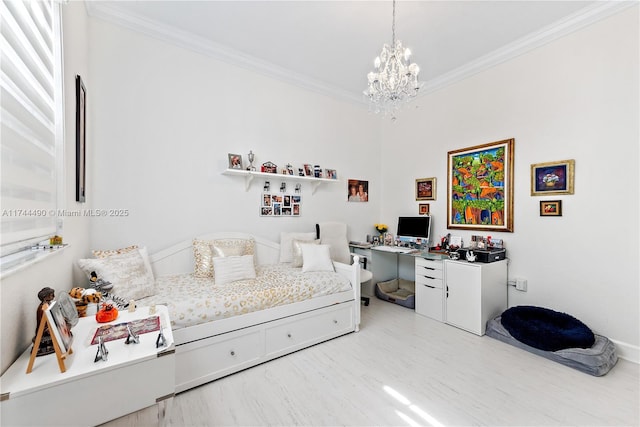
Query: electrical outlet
point(521, 284)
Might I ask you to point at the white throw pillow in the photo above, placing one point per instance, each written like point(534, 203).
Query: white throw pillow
point(231, 268)
point(297, 251)
point(127, 272)
point(316, 258)
point(286, 243)
point(205, 250)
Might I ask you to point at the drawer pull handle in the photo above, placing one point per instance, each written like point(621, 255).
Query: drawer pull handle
point(233, 353)
point(432, 287)
point(428, 268)
point(288, 335)
point(429, 277)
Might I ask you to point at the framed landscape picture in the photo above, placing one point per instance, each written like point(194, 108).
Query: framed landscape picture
point(552, 178)
point(480, 187)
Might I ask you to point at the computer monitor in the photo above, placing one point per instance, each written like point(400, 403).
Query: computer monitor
point(414, 229)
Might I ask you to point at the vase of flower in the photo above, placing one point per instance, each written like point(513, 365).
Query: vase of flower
point(382, 229)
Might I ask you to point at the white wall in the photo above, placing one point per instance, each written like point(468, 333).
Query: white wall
point(576, 98)
point(164, 120)
point(19, 292)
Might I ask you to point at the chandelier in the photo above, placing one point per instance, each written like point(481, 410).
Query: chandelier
point(394, 81)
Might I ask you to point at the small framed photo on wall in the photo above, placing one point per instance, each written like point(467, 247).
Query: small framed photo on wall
point(423, 209)
point(551, 208)
point(425, 189)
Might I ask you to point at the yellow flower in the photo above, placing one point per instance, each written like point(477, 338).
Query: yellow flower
point(381, 228)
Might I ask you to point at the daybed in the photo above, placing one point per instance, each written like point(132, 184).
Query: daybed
point(212, 343)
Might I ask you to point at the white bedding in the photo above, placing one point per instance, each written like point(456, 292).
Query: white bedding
point(192, 301)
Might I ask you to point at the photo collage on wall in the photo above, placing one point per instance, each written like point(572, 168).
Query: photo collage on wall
point(280, 204)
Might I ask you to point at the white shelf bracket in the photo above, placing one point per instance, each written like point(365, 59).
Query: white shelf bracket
point(247, 181)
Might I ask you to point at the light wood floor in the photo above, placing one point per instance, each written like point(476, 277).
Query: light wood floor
point(404, 369)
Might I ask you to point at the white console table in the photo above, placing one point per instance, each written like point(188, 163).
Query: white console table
point(133, 377)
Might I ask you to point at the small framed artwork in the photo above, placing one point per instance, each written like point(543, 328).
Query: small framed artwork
point(423, 209)
point(552, 178)
point(308, 169)
point(235, 161)
point(59, 327)
point(81, 109)
point(425, 189)
point(551, 208)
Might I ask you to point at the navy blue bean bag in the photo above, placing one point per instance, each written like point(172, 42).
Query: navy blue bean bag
point(546, 329)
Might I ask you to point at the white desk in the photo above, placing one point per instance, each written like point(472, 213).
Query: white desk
point(135, 376)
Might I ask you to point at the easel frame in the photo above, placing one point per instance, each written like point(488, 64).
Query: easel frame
point(60, 355)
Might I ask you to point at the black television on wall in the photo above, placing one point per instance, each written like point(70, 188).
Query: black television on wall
point(414, 229)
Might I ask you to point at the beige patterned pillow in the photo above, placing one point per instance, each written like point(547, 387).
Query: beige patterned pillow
point(203, 257)
point(205, 250)
point(103, 253)
point(127, 272)
point(111, 252)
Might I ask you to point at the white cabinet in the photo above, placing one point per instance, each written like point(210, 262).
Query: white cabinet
point(429, 288)
point(89, 393)
point(474, 293)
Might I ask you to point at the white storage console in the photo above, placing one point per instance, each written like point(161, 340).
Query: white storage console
point(133, 377)
point(460, 293)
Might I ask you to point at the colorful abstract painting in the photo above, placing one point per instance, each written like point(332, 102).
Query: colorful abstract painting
point(480, 191)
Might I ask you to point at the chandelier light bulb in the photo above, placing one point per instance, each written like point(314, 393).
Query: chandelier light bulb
point(407, 54)
point(376, 62)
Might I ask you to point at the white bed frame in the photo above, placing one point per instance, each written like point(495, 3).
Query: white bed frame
point(212, 350)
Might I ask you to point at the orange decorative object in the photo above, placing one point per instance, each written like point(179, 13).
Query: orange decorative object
point(107, 313)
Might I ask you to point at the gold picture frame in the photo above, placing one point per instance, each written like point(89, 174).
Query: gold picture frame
point(480, 187)
point(552, 178)
point(425, 189)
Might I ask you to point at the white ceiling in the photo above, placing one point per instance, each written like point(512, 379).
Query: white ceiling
point(329, 46)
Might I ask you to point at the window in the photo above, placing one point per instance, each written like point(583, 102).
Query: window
point(32, 122)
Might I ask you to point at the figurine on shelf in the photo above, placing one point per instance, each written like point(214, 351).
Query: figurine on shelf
point(46, 295)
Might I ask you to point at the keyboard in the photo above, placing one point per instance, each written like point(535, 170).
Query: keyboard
point(393, 249)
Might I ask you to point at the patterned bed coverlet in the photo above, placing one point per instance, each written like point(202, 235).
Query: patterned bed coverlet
point(192, 301)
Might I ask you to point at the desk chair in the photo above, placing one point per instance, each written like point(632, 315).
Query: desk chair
point(334, 234)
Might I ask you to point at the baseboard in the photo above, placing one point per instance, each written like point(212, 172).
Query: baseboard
point(627, 351)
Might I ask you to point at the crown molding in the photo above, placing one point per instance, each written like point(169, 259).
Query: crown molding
point(184, 39)
point(559, 29)
point(584, 17)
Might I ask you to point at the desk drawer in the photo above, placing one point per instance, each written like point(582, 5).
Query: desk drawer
point(429, 301)
point(428, 272)
point(429, 281)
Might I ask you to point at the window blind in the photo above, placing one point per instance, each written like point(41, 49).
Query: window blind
point(31, 125)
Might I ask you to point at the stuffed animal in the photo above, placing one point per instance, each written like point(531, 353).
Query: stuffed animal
point(86, 300)
point(99, 284)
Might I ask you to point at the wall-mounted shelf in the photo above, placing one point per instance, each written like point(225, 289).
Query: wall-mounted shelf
point(250, 175)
